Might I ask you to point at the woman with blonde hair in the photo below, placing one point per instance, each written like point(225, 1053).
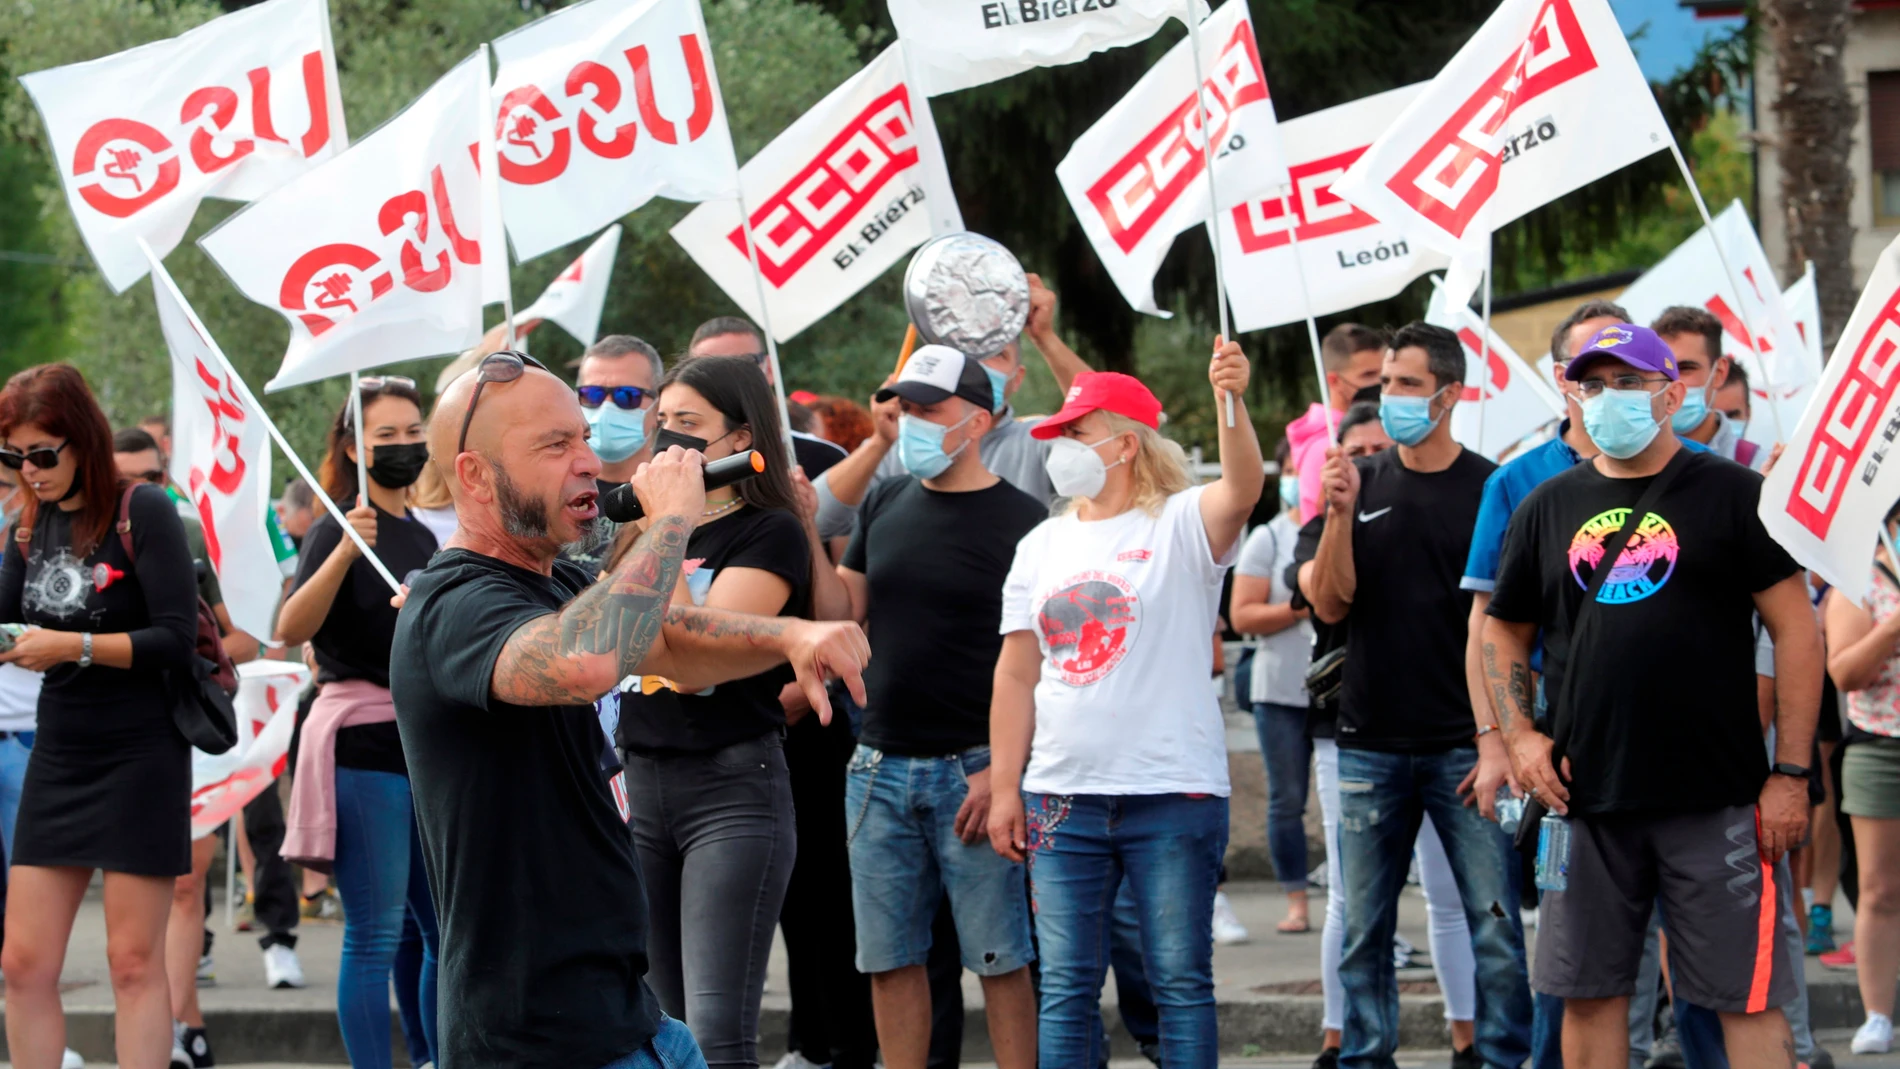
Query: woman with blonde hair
point(1109, 760)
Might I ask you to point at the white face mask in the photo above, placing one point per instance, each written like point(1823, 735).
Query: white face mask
point(1075, 468)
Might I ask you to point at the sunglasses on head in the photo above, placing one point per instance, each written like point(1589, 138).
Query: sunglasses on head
point(379, 383)
point(628, 397)
point(42, 458)
point(504, 366)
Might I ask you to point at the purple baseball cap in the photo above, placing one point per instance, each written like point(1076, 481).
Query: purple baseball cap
point(1639, 347)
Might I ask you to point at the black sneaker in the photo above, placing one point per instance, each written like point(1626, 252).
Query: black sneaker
point(198, 1046)
point(1821, 1059)
point(1328, 1059)
point(1467, 1058)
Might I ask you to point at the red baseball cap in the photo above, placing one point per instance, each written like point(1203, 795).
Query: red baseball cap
point(1112, 391)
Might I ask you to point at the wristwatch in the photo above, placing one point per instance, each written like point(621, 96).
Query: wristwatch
point(1783, 768)
point(85, 650)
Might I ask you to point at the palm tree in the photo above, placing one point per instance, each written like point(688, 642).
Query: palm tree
point(1815, 120)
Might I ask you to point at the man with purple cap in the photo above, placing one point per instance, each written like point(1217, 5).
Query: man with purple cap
point(927, 561)
point(1654, 765)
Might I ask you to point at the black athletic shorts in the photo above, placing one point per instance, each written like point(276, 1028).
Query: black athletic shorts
point(1704, 871)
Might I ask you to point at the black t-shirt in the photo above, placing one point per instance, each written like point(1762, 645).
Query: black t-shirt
point(543, 914)
point(815, 454)
point(1663, 714)
point(1405, 688)
point(936, 563)
point(654, 718)
point(353, 641)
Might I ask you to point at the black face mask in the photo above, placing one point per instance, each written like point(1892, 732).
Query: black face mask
point(397, 466)
point(666, 439)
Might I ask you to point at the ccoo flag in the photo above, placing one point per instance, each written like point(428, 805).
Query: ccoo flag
point(380, 254)
point(1828, 495)
point(600, 107)
point(576, 296)
point(1349, 257)
point(836, 200)
point(1138, 176)
point(1544, 99)
point(232, 109)
point(221, 459)
point(960, 44)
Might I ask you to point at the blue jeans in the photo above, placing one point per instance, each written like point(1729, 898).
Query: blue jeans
point(1289, 757)
point(380, 878)
point(1383, 798)
point(14, 750)
point(1132, 997)
point(1168, 847)
point(900, 820)
point(672, 1047)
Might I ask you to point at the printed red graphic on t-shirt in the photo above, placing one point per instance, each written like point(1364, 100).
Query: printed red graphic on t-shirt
point(1088, 625)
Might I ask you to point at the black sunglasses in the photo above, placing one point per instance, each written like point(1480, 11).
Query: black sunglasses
point(628, 397)
point(42, 458)
point(504, 366)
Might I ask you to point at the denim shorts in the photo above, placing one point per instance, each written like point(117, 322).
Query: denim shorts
point(672, 1047)
point(901, 814)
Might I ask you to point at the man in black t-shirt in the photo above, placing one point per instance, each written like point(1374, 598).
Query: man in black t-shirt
point(925, 569)
point(499, 656)
point(1653, 712)
point(1398, 529)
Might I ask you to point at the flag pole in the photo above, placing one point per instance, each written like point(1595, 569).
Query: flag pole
point(362, 450)
point(1484, 349)
point(1306, 308)
point(1213, 202)
point(1741, 306)
point(277, 435)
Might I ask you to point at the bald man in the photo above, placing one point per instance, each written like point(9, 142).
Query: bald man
point(504, 672)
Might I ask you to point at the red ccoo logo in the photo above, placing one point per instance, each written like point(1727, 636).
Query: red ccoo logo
point(1849, 417)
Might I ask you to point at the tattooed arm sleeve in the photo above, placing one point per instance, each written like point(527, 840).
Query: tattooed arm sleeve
point(576, 655)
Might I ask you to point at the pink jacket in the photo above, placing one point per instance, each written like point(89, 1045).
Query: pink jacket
point(310, 835)
point(1306, 437)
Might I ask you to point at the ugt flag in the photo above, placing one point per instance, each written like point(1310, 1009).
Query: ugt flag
point(386, 252)
point(233, 109)
point(1349, 258)
point(221, 459)
point(959, 44)
point(836, 200)
point(576, 296)
point(600, 107)
point(1504, 398)
point(1692, 274)
point(1826, 498)
point(1138, 176)
point(1544, 99)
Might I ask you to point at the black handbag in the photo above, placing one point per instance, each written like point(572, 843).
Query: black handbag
point(1534, 808)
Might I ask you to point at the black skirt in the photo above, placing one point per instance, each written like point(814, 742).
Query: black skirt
point(121, 804)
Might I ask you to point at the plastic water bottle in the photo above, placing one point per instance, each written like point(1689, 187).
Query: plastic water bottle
point(1510, 810)
point(1553, 853)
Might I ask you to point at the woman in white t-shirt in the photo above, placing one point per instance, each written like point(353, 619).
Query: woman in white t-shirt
point(1109, 759)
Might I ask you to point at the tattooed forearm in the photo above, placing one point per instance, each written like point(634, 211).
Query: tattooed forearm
point(714, 624)
point(556, 660)
point(1510, 694)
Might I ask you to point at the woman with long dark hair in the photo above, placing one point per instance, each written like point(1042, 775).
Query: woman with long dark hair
point(709, 794)
point(350, 810)
point(108, 785)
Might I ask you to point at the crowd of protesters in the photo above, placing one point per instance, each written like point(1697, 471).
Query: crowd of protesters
point(930, 694)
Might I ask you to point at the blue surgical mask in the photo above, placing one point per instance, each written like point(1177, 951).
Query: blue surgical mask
point(1621, 422)
point(1407, 420)
point(618, 433)
point(1289, 491)
point(999, 387)
point(1695, 409)
point(920, 445)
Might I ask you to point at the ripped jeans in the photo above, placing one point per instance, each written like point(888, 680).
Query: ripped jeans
point(1383, 797)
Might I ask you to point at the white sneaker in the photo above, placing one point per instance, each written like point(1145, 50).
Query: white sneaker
point(796, 1060)
point(1874, 1037)
point(207, 972)
point(72, 1060)
point(281, 967)
point(181, 1059)
point(1228, 930)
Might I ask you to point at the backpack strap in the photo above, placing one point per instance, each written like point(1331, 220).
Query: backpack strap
point(124, 526)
